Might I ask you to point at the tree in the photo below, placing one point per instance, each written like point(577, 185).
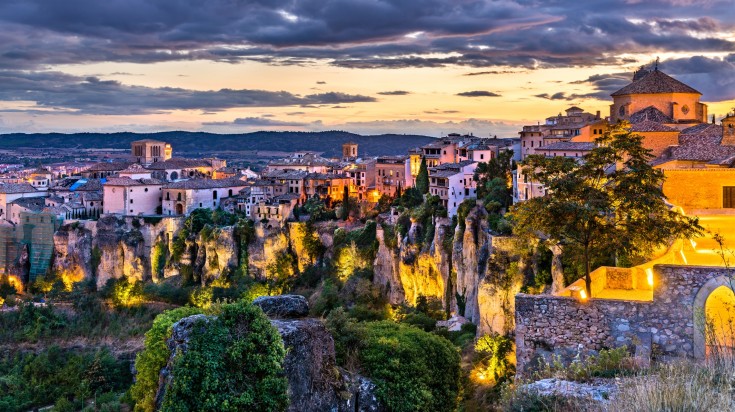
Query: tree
point(609, 203)
point(422, 179)
point(346, 204)
point(494, 180)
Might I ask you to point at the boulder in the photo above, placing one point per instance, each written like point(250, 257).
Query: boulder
point(283, 306)
point(453, 324)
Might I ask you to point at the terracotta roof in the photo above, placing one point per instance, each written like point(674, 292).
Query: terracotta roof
point(148, 141)
point(651, 126)
point(126, 181)
point(650, 113)
point(33, 203)
point(9, 188)
point(134, 168)
point(178, 163)
point(108, 166)
point(655, 82)
point(205, 184)
point(701, 143)
point(578, 146)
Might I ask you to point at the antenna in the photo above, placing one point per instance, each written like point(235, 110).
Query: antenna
point(656, 66)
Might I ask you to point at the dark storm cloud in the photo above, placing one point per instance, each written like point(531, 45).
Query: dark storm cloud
point(478, 93)
point(92, 95)
point(357, 33)
point(395, 93)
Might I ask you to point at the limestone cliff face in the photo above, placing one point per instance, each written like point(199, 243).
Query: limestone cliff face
point(386, 269)
point(217, 253)
point(123, 247)
point(268, 244)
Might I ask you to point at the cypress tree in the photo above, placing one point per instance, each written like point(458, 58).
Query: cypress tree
point(422, 179)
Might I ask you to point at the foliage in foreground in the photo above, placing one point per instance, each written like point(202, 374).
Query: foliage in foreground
point(61, 376)
point(234, 363)
point(412, 369)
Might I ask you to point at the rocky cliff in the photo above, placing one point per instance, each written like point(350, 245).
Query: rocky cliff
point(112, 247)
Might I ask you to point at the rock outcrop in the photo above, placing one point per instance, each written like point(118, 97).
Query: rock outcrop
point(217, 252)
point(315, 383)
point(283, 306)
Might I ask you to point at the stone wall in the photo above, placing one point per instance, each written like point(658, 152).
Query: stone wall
point(697, 188)
point(558, 325)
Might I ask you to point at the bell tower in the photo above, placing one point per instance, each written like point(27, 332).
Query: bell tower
point(728, 129)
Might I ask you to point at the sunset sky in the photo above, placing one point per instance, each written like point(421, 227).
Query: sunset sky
point(365, 66)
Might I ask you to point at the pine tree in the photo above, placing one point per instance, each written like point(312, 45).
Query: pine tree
point(422, 179)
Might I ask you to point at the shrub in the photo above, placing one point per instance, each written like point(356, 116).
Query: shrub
point(235, 363)
point(126, 292)
point(607, 363)
point(412, 369)
point(153, 358)
point(201, 297)
point(64, 377)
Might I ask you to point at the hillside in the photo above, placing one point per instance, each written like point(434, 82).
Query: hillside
point(328, 142)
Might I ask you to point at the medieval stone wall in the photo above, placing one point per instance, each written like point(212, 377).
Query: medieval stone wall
point(697, 188)
point(667, 327)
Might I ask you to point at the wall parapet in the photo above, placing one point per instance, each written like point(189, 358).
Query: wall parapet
point(549, 325)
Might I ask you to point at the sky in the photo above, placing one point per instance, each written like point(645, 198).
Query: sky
point(366, 66)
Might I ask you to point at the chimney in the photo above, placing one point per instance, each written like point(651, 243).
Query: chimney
point(598, 114)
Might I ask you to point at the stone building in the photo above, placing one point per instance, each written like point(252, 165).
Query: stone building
point(149, 151)
point(181, 198)
point(391, 172)
point(453, 183)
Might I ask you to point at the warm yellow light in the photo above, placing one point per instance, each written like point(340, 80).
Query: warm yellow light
point(481, 376)
point(694, 244)
point(683, 257)
point(649, 276)
point(583, 294)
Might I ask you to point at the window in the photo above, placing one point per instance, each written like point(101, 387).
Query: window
point(621, 110)
point(131, 201)
point(179, 196)
point(482, 157)
point(146, 189)
point(728, 197)
point(531, 143)
point(214, 194)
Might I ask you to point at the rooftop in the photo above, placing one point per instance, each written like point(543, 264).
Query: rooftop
point(655, 82)
point(651, 126)
point(650, 113)
point(10, 188)
point(578, 146)
point(196, 184)
point(126, 181)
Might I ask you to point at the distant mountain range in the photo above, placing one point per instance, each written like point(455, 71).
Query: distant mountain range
point(328, 142)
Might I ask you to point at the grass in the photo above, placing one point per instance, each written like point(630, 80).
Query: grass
point(680, 387)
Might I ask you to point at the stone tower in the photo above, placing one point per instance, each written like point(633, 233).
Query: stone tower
point(349, 151)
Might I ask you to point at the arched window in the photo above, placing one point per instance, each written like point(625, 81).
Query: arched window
point(179, 196)
point(229, 193)
point(168, 195)
point(214, 194)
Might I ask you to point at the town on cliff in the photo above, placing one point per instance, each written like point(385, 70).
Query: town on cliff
point(491, 259)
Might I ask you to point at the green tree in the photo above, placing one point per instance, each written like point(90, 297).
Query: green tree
point(610, 203)
point(346, 203)
point(233, 362)
point(422, 179)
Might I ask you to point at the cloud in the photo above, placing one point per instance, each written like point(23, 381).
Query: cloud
point(395, 93)
point(257, 122)
point(359, 33)
point(91, 95)
point(320, 82)
point(478, 93)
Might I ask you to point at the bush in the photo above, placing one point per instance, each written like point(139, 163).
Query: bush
point(153, 358)
point(607, 363)
point(413, 370)
point(54, 375)
point(235, 363)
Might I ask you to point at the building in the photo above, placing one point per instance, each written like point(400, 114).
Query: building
point(40, 179)
point(390, 174)
point(653, 88)
point(10, 192)
point(305, 161)
point(275, 211)
point(453, 183)
point(149, 151)
point(575, 125)
point(326, 186)
point(104, 169)
point(177, 168)
point(181, 198)
point(132, 197)
point(349, 151)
